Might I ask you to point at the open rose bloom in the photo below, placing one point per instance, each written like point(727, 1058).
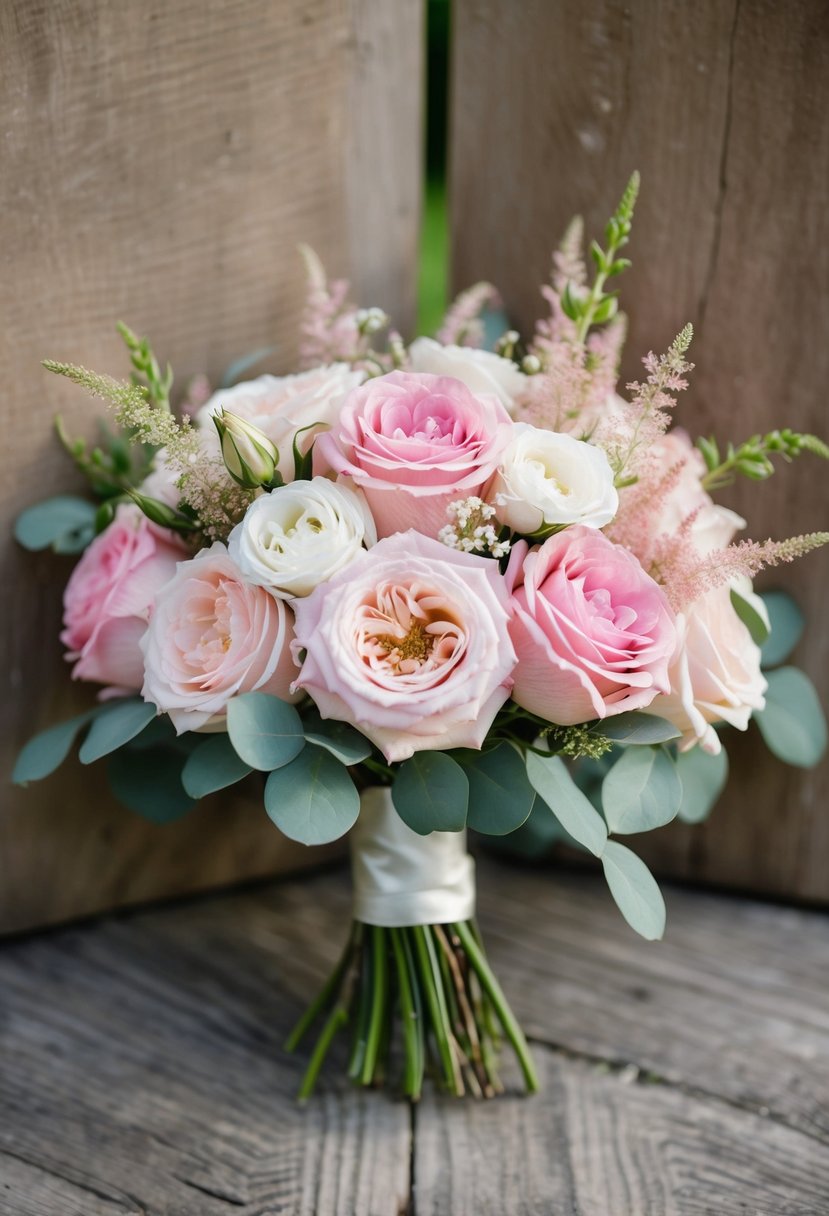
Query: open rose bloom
point(418, 588)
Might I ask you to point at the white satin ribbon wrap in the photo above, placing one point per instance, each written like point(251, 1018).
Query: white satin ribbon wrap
point(401, 878)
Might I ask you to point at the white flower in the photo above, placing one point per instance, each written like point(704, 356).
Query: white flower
point(548, 479)
point(282, 405)
point(301, 534)
point(480, 370)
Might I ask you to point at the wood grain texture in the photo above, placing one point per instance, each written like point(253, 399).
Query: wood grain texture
point(141, 1069)
point(721, 106)
point(160, 165)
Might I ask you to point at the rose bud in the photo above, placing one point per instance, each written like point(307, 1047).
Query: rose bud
point(250, 457)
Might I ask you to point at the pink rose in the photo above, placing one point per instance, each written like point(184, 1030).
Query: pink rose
point(593, 632)
point(715, 674)
point(410, 644)
point(109, 594)
point(413, 443)
point(282, 405)
point(211, 636)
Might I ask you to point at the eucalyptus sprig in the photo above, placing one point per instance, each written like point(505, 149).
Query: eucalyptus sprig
point(110, 467)
point(146, 372)
point(596, 306)
point(752, 458)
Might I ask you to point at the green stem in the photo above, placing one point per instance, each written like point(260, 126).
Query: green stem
point(337, 1018)
point(431, 978)
point(493, 990)
point(412, 1021)
point(379, 1003)
point(328, 989)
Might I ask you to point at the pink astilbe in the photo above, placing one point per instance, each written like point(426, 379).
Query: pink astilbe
point(462, 325)
point(686, 575)
point(639, 504)
point(335, 330)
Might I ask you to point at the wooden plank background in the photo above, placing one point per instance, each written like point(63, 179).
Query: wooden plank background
point(722, 107)
point(160, 165)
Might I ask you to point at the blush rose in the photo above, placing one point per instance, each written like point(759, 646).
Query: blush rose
point(109, 595)
point(213, 635)
point(410, 644)
point(413, 443)
point(593, 633)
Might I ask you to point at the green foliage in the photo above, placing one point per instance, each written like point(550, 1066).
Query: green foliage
point(635, 890)
point(265, 731)
point(146, 372)
point(312, 799)
point(340, 739)
point(787, 626)
point(596, 307)
point(117, 723)
point(792, 724)
point(500, 794)
point(637, 728)
point(150, 784)
point(118, 393)
point(162, 514)
point(213, 765)
point(47, 751)
point(576, 742)
point(641, 791)
point(752, 458)
point(753, 620)
point(703, 778)
point(431, 793)
point(550, 779)
point(64, 524)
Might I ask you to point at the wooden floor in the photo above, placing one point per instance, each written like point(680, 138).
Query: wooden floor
point(141, 1068)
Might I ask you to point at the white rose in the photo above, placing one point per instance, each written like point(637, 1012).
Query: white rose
point(715, 673)
point(282, 405)
point(547, 478)
point(482, 371)
point(301, 534)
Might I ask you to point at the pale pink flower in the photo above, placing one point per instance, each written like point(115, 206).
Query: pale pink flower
point(108, 598)
point(715, 674)
point(414, 443)
point(410, 644)
point(593, 633)
point(211, 636)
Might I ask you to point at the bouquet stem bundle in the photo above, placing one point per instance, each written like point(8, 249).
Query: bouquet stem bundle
point(451, 1010)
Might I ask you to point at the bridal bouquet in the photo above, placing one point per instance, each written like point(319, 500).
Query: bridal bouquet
point(423, 589)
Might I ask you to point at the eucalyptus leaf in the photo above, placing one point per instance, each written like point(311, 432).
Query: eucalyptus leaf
point(340, 739)
point(754, 620)
point(116, 724)
point(431, 793)
point(642, 791)
point(149, 783)
point(792, 724)
point(48, 750)
point(312, 799)
point(703, 778)
point(213, 765)
point(64, 523)
point(635, 728)
point(635, 890)
point(536, 836)
point(549, 777)
point(265, 731)
point(787, 624)
point(500, 794)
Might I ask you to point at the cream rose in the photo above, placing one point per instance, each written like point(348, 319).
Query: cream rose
point(282, 405)
point(300, 535)
point(213, 635)
point(549, 479)
point(715, 672)
point(482, 371)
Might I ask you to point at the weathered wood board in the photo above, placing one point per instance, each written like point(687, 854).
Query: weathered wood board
point(722, 107)
point(141, 1069)
point(160, 165)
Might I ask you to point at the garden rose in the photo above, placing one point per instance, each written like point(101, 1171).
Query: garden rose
point(593, 632)
point(482, 371)
point(213, 635)
point(548, 479)
point(109, 595)
point(300, 535)
point(715, 674)
point(410, 644)
point(414, 443)
point(282, 405)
